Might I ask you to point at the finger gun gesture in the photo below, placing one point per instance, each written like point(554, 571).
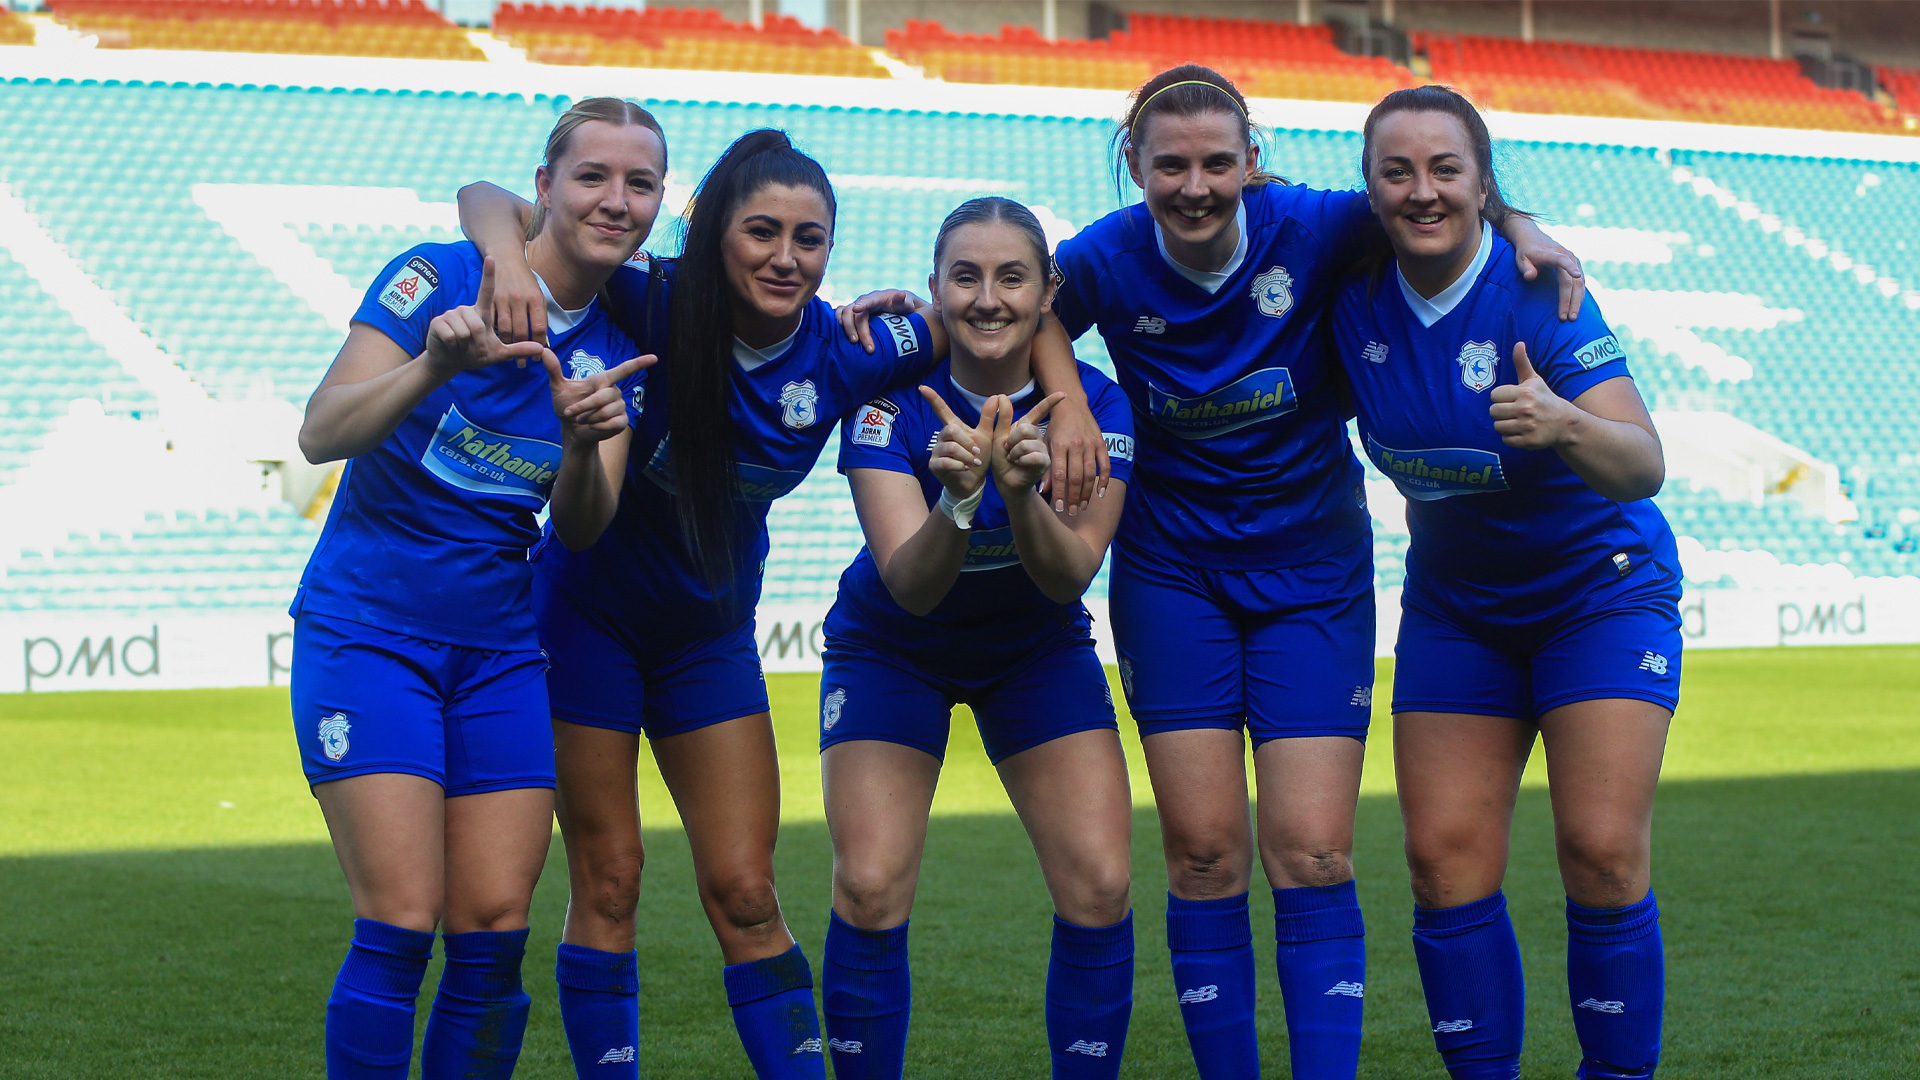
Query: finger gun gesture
point(594, 408)
point(1020, 457)
point(961, 450)
point(463, 339)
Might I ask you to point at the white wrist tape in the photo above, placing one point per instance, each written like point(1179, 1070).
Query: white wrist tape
point(960, 511)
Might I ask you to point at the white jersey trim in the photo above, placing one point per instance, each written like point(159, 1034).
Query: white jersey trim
point(1444, 301)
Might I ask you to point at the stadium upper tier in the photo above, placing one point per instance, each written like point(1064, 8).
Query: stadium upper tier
point(679, 38)
point(1780, 290)
point(398, 28)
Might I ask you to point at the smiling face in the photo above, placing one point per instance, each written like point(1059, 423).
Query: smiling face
point(775, 253)
point(1424, 184)
point(603, 194)
point(1191, 170)
point(990, 289)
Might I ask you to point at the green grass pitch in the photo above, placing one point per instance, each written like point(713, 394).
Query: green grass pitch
point(172, 909)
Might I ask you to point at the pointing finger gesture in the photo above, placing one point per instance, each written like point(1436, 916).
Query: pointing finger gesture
point(961, 450)
point(1020, 456)
point(593, 408)
point(463, 339)
point(1527, 414)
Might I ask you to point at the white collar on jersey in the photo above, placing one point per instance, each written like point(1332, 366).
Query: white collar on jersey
point(979, 401)
point(1444, 301)
point(1208, 281)
point(559, 319)
point(749, 357)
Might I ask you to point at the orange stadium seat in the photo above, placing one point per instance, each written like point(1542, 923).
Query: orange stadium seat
point(395, 28)
point(679, 38)
point(1904, 86)
point(14, 30)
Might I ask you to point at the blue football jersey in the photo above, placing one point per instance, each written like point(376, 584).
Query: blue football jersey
point(1500, 535)
point(994, 612)
point(1243, 459)
point(641, 571)
point(429, 531)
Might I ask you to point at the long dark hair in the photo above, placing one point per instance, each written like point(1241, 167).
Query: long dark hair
point(1184, 90)
point(700, 341)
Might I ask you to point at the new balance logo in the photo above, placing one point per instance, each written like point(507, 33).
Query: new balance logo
point(1195, 997)
point(1150, 325)
point(1453, 1025)
point(845, 1046)
point(1348, 989)
point(1654, 662)
point(1375, 352)
point(1614, 1007)
point(1091, 1049)
point(1362, 695)
point(808, 1046)
point(617, 1056)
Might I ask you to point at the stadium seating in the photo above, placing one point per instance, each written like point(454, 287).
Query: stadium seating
point(397, 28)
point(1597, 80)
point(653, 37)
point(1719, 309)
point(1264, 58)
point(14, 30)
point(1903, 86)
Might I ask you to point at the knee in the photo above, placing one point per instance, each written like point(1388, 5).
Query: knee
point(607, 881)
point(1205, 872)
point(745, 901)
point(1603, 868)
point(871, 896)
point(1101, 897)
point(1313, 865)
point(1445, 866)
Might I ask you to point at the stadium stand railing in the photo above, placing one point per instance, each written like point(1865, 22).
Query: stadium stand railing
point(653, 37)
point(1599, 80)
point(391, 28)
point(1266, 59)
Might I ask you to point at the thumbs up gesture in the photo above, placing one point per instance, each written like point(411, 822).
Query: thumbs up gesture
point(1528, 415)
point(463, 339)
point(591, 409)
point(961, 450)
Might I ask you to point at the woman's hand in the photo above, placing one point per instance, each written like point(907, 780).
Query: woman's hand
point(518, 310)
point(1080, 467)
point(961, 451)
point(1534, 249)
point(1528, 415)
point(594, 408)
point(1020, 459)
point(856, 318)
point(463, 340)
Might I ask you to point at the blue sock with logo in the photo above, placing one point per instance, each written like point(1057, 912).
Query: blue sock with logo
point(600, 1011)
point(1089, 998)
point(772, 1002)
point(370, 1012)
point(480, 1011)
point(1476, 995)
point(867, 989)
point(1616, 980)
point(1321, 952)
point(1212, 946)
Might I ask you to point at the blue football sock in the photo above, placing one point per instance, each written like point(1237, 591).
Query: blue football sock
point(1476, 995)
point(370, 1013)
point(867, 989)
point(480, 1012)
point(1321, 951)
point(773, 1011)
point(600, 1010)
point(1212, 946)
point(1089, 998)
point(1616, 980)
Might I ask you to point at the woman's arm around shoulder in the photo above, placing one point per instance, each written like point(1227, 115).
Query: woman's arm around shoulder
point(496, 220)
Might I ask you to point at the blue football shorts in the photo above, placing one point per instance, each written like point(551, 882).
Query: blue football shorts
point(1628, 648)
point(604, 673)
point(1285, 653)
point(868, 692)
point(368, 700)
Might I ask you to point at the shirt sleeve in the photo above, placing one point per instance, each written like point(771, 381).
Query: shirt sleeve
point(1115, 414)
point(1069, 301)
point(415, 287)
point(637, 302)
point(879, 435)
point(902, 353)
point(1573, 357)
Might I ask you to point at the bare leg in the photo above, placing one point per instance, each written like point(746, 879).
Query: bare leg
point(1603, 761)
point(878, 795)
point(1199, 780)
point(1072, 796)
point(1458, 777)
point(497, 845)
point(598, 804)
point(1308, 791)
point(389, 833)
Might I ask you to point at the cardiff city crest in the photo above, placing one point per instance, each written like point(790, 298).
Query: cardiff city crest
point(1477, 361)
point(583, 364)
point(797, 401)
point(830, 708)
point(333, 736)
point(1273, 292)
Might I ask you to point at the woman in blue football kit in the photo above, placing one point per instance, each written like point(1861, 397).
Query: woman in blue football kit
point(646, 603)
point(419, 691)
point(1541, 595)
point(969, 591)
point(1242, 588)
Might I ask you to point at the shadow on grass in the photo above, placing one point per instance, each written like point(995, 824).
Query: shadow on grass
point(1791, 908)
